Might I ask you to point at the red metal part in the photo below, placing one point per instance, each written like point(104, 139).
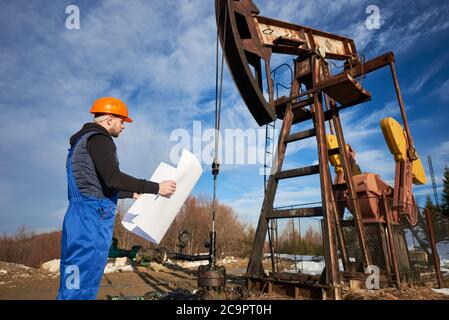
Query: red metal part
point(370, 188)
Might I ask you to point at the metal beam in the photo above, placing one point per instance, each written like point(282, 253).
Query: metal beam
point(296, 213)
point(299, 172)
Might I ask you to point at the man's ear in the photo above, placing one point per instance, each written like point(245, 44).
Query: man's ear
point(109, 120)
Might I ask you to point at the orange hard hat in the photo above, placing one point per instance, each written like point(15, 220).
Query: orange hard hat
point(112, 106)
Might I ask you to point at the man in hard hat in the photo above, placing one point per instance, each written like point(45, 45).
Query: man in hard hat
point(95, 182)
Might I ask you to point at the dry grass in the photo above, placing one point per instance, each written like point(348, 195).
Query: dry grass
point(30, 249)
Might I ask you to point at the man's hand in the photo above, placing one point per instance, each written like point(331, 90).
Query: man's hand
point(167, 188)
point(136, 195)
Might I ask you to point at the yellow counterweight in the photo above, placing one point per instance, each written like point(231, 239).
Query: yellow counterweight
point(396, 139)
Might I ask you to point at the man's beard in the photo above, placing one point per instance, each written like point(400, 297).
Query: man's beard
point(115, 134)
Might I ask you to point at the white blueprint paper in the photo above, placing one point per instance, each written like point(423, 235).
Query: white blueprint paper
point(151, 215)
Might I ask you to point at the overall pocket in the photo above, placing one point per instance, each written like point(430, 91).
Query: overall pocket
point(106, 212)
point(105, 223)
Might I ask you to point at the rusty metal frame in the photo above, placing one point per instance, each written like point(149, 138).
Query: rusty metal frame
point(245, 44)
point(248, 40)
point(392, 245)
point(436, 258)
point(350, 183)
point(255, 263)
point(241, 53)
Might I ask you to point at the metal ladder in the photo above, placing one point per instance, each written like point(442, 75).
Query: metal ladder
point(294, 111)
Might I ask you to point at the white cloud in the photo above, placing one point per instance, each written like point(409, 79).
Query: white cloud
point(427, 191)
point(420, 82)
point(361, 125)
point(159, 57)
point(379, 162)
point(443, 91)
point(156, 56)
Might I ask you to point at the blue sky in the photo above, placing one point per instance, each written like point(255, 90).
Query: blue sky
point(159, 57)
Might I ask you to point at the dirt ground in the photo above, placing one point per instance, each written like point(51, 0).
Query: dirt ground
point(413, 293)
point(18, 282)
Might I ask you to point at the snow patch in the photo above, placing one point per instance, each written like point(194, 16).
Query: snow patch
point(113, 265)
point(18, 266)
point(228, 259)
point(292, 257)
point(307, 264)
point(112, 268)
point(192, 264)
point(118, 265)
point(309, 267)
point(52, 266)
point(442, 291)
point(443, 249)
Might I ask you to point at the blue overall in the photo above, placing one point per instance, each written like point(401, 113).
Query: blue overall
point(86, 239)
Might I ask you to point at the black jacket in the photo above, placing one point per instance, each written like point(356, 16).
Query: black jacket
point(102, 150)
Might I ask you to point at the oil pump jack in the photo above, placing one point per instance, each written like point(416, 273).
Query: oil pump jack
point(380, 212)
